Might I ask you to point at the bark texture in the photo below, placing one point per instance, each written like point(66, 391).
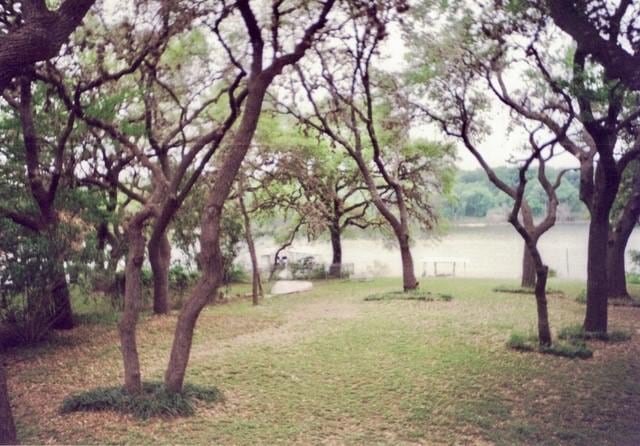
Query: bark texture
point(160, 260)
point(40, 37)
point(597, 287)
point(132, 295)
point(335, 270)
point(7, 426)
point(528, 269)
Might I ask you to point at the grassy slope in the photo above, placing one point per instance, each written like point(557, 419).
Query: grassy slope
point(327, 367)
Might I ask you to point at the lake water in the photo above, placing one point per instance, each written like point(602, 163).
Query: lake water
point(490, 251)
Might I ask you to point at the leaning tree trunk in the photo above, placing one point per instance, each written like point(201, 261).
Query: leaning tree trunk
point(335, 270)
point(409, 281)
point(7, 426)
point(528, 269)
point(210, 254)
point(597, 288)
point(160, 260)
point(132, 295)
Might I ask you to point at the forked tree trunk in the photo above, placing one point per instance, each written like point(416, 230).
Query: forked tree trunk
point(597, 288)
point(132, 295)
point(160, 260)
point(335, 270)
point(528, 269)
point(7, 426)
point(409, 281)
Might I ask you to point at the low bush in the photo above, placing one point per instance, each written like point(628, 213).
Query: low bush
point(581, 298)
point(523, 343)
point(181, 278)
point(576, 332)
point(529, 343)
point(522, 290)
point(236, 274)
point(154, 400)
point(425, 296)
point(633, 278)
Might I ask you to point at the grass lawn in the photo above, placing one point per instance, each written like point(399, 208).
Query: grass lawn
point(329, 367)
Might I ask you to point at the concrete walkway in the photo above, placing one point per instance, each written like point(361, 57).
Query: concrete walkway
point(290, 286)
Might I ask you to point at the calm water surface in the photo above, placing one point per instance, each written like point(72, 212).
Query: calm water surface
point(490, 251)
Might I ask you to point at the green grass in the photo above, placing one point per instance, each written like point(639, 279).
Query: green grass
point(154, 400)
point(328, 367)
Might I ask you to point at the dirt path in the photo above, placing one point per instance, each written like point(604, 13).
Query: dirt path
point(302, 321)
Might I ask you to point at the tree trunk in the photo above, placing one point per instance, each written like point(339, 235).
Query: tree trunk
point(256, 284)
point(596, 314)
point(409, 281)
point(616, 273)
point(160, 260)
point(335, 270)
point(210, 254)
point(212, 271)
point(528, 269)
point(7, 426)
point(63, 314)
point(132, 295)
point(618, 239)
point(544, 331)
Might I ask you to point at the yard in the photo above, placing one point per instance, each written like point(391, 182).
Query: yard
point(328, 367)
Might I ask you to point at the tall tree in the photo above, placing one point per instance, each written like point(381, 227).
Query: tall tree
point(593, 117)
point(45, 171)
point(261, 74)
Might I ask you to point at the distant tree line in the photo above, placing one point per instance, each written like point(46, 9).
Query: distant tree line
point(474, 196)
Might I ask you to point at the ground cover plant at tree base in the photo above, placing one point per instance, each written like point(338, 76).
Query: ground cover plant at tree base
point(327, 366)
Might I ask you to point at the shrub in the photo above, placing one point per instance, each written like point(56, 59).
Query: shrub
point(27, 320)
point(180, 278)
point(236, 274)
point(520, 342)
point(154, 400)
point(522, 290)
point(582, 297)
point(569, 350)
point(425, 296)
point(577, 333)
point(529, 343)
point(633, 278)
